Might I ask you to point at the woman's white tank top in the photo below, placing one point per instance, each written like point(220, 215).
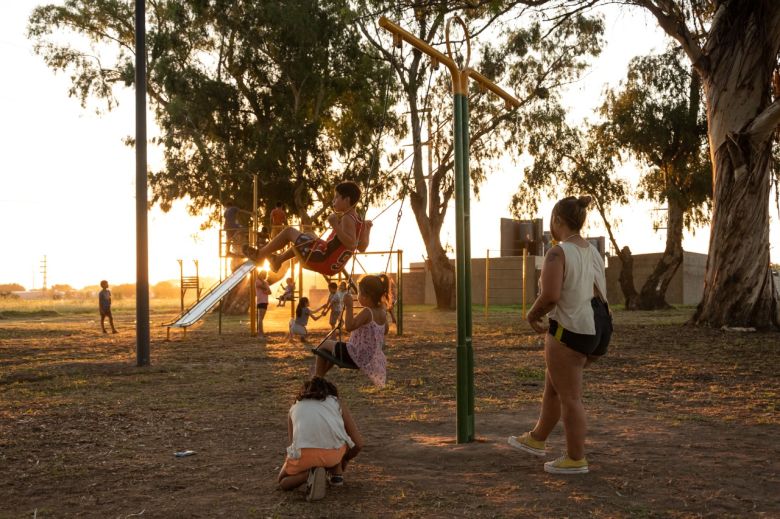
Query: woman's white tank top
point(584, 269)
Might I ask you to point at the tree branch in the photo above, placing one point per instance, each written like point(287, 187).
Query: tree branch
point(765, 123)
point(673, 24)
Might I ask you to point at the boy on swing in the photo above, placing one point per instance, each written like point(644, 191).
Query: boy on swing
point(328, 256)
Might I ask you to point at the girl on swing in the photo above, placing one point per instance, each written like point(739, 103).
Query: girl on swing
point(367, 330)
point(328, 256)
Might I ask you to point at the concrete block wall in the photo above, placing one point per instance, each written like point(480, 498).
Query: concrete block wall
point(414, 286)
point(505, 282)
point(685, 288)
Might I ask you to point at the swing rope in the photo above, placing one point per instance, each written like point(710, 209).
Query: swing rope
point(340, 323)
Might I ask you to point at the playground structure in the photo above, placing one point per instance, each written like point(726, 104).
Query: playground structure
point(212, 297)
point(230, 280)
point(460, 87)
point(189, 282)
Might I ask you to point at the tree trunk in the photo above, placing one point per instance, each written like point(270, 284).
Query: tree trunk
point(653, 293)
point(442, 270)
point(737, 76)
point(737, 282)
point(442, 274)
point(236, 302)
point(626, 278)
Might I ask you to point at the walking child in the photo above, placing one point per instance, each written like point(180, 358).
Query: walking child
point(323, 438)
point(302, 314)
point(104, 300)
point(328, 256)
point(367, 330)
point(333, 305)
point(262, 291)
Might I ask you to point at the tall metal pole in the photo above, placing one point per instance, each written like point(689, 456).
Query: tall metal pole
point(253, 228)
point(525, 260)
point(400, 294)
point(487, 281)
point(462, 376)
point(460, 79)
point(141, 236)
point(464, 135)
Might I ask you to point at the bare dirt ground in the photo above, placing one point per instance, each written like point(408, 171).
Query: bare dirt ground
point(683, 422)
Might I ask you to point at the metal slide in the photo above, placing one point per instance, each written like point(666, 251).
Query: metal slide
point(199, 309)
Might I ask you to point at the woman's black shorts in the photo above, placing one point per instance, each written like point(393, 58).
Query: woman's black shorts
point(595, 345)
point(341, 353)
point(262, 306)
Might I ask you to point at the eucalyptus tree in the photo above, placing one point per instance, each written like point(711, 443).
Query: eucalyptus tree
point(655, 116)
point(518, 48)
point(280, 89)
point(733, 46)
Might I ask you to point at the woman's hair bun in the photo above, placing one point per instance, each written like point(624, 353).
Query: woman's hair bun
point(584, 200)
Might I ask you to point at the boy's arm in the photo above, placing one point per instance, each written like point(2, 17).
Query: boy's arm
point(364, 236)
point(345, 230)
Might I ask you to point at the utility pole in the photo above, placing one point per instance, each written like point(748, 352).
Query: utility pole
point(44, 272)
point(141, 234)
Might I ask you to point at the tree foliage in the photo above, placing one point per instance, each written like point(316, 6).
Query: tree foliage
point(734, 47)
point(522, 50)
point(7, 288)
point(283, 89)
point(573, 161)
point(656, 117)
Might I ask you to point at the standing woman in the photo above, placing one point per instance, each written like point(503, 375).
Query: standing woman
point(573, 297)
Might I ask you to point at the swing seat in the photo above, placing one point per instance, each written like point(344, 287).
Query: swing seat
point(332, 358)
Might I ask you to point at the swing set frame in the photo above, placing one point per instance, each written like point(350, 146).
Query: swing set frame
point(460, 88)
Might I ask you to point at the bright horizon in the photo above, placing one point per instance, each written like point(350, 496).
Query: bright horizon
point(67, 186)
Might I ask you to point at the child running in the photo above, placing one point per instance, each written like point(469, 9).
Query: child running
point(323, 438)
point(333, 305)
point(363, 350)
point(302, 314)
point(327, 256)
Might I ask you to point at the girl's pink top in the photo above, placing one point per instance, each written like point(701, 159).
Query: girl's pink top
point(365, 348)
point(260, 287)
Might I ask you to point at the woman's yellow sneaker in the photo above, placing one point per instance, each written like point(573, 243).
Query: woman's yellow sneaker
point(526, 443)
point(566, 465)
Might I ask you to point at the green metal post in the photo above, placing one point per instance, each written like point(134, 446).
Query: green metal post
point(400, 294)
point(460, 79)
point(465, 432)
point(464, 134)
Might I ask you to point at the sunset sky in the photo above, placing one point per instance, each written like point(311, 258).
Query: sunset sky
point(67, 180)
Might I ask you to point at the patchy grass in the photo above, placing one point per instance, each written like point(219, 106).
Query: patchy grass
point(85, 432)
